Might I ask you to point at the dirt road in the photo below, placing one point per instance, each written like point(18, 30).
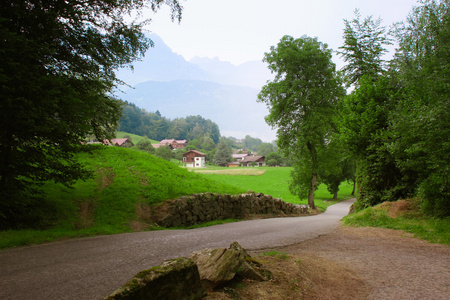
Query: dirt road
point(92, 268)
point(354, 263)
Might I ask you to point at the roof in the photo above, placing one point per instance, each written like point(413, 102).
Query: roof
point(253, 158)
point(196, 152)
point(170, 141)
point(239, 155)
point(120, 141)
point(241, 150)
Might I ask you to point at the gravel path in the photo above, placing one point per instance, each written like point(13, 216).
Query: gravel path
point(391, 264)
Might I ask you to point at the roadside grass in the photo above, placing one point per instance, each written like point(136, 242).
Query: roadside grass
point(273, 181)
point(402, 215)
point(123, 181)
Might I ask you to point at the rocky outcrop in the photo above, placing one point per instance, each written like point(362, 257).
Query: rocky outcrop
point(173, 279)
point(189, 278)
point(218, 266)
point(205, 207)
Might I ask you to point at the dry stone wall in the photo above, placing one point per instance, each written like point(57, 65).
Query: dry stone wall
point(205, 207)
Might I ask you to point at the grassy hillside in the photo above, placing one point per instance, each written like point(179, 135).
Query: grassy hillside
point(116, 199)
point(134, 138)
point(404, 215)
point(273, 181)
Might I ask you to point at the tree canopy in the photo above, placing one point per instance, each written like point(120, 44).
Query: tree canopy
point(396, 123)
point(56, 72)
point(153, 125)
point(302, 100)
point(365, 43)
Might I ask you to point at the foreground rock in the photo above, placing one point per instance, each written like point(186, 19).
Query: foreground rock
point(173, 279)
point(218, 266)
point(189, 278)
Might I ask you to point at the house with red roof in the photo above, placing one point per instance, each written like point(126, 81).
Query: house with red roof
point(254, 160)
point(194, 159)
point(172, 143)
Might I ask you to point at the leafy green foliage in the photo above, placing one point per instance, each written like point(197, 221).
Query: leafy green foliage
point(164, 152)
point(56, 72)
point(145, 145)
point(396, 123)
point(302, 100)
point(124, 180)
point(420, 122)
point(251, 143)
point(432, 229)
point(265, 148)
point(222, 155)
point(364, 45)
point(154, 126)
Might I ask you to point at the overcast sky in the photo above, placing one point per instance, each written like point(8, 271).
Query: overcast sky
point(243, 30)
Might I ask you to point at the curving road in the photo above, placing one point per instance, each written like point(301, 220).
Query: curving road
point(92, 268)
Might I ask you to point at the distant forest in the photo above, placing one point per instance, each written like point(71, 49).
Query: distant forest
point(156, 127)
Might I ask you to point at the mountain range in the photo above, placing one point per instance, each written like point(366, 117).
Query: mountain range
point(220, 91)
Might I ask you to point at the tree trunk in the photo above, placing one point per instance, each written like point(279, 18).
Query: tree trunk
point(354, 188)
point(311, 191)
point(314, 159)
point(335, 196)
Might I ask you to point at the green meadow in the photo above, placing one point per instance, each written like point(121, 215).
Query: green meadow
point(273, 181)
point(126, 182)
point(134, 137)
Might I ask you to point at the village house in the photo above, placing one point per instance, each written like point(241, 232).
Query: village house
point(249, 161)
point(194, 159)
point(122, 142)
point(240, 151)
point(238, 157)
point(172, 143)
point(114, 142)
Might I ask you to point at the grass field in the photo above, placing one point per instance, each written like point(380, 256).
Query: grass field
point(273, 181)
point(108, 203)
point(125, 179)
point(134, 138)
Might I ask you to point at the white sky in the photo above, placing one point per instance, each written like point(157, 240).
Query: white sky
point(243, 30)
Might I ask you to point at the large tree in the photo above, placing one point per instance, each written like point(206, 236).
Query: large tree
point(56, 74)
point(222, 155)
point(365, 44)
point(302, 99)
point(364, 115)
point(420, 122)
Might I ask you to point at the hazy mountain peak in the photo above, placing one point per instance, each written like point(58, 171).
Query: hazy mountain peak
point(215, 89)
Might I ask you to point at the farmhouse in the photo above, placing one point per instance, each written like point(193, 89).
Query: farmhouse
point(240, 151)
point(249, 161)
point(173, 144)
point(194, 159)
point(113, 142)
point(238, 157)
point(122, 142)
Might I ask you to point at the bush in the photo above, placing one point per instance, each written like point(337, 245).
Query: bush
point(435, 195)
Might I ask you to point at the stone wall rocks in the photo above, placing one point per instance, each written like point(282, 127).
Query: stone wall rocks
point(205, 207)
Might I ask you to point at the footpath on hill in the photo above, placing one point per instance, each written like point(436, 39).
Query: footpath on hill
point(354, 263)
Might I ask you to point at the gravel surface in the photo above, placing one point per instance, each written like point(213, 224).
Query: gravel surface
point(390, 263)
